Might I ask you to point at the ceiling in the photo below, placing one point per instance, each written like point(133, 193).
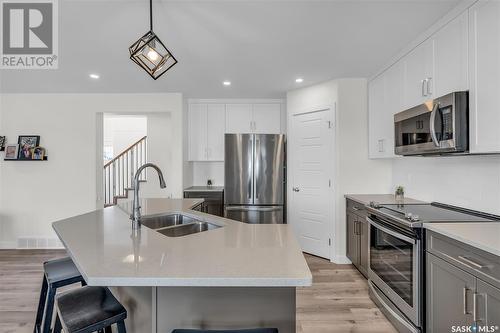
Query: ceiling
point(260, 46)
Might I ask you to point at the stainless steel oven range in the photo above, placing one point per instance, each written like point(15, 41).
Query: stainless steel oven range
point(396, 256)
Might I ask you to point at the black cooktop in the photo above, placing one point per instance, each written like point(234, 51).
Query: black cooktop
point(436, 212)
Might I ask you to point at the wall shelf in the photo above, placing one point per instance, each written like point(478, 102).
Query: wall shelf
point(23, 160)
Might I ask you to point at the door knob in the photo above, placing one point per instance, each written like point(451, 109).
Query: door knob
point(296, 189)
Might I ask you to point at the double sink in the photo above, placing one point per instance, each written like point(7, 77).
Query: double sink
point(177, 225)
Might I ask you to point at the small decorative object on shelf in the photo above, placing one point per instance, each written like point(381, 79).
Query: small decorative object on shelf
point(38, 153)
point(400, 195)
point(26, 145)
point(2, 143)
point(11, 151)
point(209, 182)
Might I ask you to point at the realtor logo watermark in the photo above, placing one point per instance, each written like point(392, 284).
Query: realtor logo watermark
point(29, 38)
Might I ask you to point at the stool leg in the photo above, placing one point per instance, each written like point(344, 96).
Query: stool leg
point(49, 310)
point(41, 305)
point(121, 327)
point(57, 325)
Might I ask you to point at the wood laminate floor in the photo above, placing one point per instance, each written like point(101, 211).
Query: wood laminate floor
point(337, 302)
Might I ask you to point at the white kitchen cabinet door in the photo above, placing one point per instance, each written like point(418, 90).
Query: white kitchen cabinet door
point(197, 132)
point(238, 118)
point(376, 96)
point(419, 72)
point(393, 103)
point(484, 66)
point(267, 118)
point(216, 121)
point(451, 57)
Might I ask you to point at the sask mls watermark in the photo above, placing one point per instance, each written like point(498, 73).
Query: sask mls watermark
point(29, 38)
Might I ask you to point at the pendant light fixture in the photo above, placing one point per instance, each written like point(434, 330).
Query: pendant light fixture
point(150, 53)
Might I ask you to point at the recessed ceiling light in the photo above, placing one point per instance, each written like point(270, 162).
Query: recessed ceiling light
point(299, 80)
point(226, 83)
point(94, 76)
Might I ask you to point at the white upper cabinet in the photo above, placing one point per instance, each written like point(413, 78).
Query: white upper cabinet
point(419, 75)
point(267, 118)
point(206, 132)
point(384, 98)
point(484, 66)
point(451, 57)
point(253, 118)
point(216, 127)
point(239, 118)
point(197, 120)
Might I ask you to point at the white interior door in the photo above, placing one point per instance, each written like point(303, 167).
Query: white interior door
point(312, 195)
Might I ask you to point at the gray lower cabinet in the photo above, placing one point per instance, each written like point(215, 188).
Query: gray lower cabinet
point(213, 201)
point(352, 239)
point(449, 295)
point(488, 304)
point(357, 236)
point(462, 286)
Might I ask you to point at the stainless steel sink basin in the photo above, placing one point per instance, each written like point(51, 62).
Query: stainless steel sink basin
point(188, 229)
point(176, 225)
point(163, 221)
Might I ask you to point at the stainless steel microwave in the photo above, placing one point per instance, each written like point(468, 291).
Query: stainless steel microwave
point(438, 126)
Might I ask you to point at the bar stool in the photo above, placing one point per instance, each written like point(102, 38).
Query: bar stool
point(254, 330)
point(89, 309)
point(57, 273)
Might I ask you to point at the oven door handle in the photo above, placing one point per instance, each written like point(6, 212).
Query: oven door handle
point(433, 124)
point(391, 232)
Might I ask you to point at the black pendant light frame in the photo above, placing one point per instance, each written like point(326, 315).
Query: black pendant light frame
point(151, 40)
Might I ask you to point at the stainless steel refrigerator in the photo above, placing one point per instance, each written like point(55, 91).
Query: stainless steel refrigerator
point(254, 178)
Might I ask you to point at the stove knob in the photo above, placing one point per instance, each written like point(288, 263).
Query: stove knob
point(374, 204)
point(408, 216)
point(415, 218)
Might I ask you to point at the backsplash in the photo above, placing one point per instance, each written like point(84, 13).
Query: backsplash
point(467, 181)
point(208, 170)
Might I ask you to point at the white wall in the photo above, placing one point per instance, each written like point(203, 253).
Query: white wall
point(120, 132)
point(35, 194)
point(467, 181)
point(354, 172)
point(202, 171)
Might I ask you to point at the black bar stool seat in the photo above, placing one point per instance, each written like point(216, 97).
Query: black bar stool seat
point(57, 273)
point(61, 271)
point(254, 330)
point(89, 309)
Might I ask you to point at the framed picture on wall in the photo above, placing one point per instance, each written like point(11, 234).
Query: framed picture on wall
point(11, 152)
point(26, 145)
point(38, 153)
point(2, 143)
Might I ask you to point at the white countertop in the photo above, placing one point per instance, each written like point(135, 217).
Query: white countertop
point(384, 199)
point(482, 235)
point(107, 253)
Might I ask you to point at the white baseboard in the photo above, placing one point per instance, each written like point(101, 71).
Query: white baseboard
point(340, 259)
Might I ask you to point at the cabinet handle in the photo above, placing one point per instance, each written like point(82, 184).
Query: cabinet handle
point(423, 89)
point(474, 307)
point(466, 261)
point(356, 228)
point(465, 300)
point(355, 208)
point(429, 91)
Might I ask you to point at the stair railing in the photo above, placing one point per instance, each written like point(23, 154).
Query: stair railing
point(119, 172)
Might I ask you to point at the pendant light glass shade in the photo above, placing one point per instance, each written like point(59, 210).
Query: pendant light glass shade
point(150, 53)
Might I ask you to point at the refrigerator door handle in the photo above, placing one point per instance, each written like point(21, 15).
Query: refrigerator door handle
point(250, 208)
point(256, 166)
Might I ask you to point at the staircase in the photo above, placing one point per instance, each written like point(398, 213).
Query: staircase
point(120, 171)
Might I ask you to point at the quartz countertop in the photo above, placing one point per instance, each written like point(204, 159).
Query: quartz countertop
point(385, 199)
point(204, 189)
point(481, 235)
point(108, 253)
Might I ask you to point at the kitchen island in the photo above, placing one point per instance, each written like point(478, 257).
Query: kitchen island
point(237, 275)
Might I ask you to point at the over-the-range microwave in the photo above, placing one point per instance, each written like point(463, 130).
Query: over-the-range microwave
point(438, 126)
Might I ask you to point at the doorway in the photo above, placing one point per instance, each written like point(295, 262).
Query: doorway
point(312, 201)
